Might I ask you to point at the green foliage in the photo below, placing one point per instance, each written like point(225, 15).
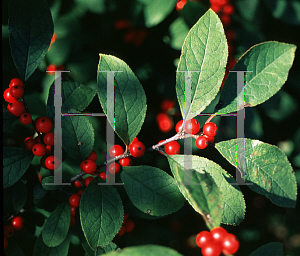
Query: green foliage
point(269, 249)
point(41, 249)
point(14, 197)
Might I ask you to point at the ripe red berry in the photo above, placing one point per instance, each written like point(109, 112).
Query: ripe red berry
point(72, 210)
point(134, 140)
point(121, 24)
point(42, 161)
point(226, 19)
point(74, 200)
point(201, 142)
point(52, 162)
point(103, 176)
point(38, 139)
point(180, 4)
point(228, 9)
point(230, 244)
point(16, 91)
point(210, 129)
point(167, 105)
point(210, 139)
point(88, 166)
point(43, 124)
point(128, 225)
point(92, 156)
point(8, 231)
point(77, 184)
point(80, 192)
point(178, 126)
point(172, 148)
point(7, 96)
point(126, 215)
point(17, 222)
point(72, 221)
point(39, 149)
point(164, 122)
point(5, 243)
point(16, 108)
point(114, 168)
point(49, 139)
point(29, 143)
point(25, 119)
point(137, 149)
point(203, 238)
point(216, 7)
point(121, 231)
point(218, 233)
point(212, 248)
point(126, 161)
point(16, 81)
point(87, 180)
point(51, 68)
point(192, 126)
point(116, 150)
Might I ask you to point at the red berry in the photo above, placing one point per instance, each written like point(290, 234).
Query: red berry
point(72, 210)
point(201, 142)
point(180, 4)
point(43, 124)
point(29, 143)
point(25, 119)
point(49, 150)
point(218, 233)
point(77, 184)
point(7, 96)
point(203, 238)
point(52, 162)
point(129, 225)
point(126, 215)
point(51, 68)
point(179, 126)
point(226, 20)
point(17, 222)
point(228, 9)
point(212, 248)
point(80, 192)
point(116, 150)
point(5, 243)
point(210, 139)
point(8, 231)
point(125, 161)
point(88, 166)
point(210, 129)
point(137, 149)
point(42, 161)
point(114, 168)
point(134, 140)
point(16, 108)
point(74, 200)
point(121, 231)
point(172, 148)
point(164, 122)
point(192, 126)
point(16, 81)
point(49, 139)
point(103, 176)
point(38, 139)
point(230, 244)
point(88, 180)
point(92, 156)
point(72, 221)
point(167, 105)
point(216, 7)
point(16, 91)
point(121, 24)
point(39, 149)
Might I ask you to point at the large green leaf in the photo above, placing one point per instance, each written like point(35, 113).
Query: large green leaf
point(30, 32)
point(15, 163)
point(155, 11)
point(270, 249)
point(158, 193)
point(270, 63)
point(205, 50)
point(41, 249)
point(101, 213)
point(205, 196)
point(57, 225)
point(146, 250)
point(130, 100)
point(14, 197)
point(267, 167)
point(78, 136)
point(74, 96)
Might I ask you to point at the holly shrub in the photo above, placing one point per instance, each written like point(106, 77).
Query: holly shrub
point(204, 116)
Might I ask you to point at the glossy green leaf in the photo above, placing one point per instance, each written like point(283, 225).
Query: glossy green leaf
point(49, 179)
point(15, 163)
point(158, 193)
point(146, 250)
point(155, 11)
point(14, 197)
point(267, 167)
point(30, 32)
point(270, 249)
point(270, 63)
point(78, 136)
point(130, 100)
point(74, 96)
point(178, 31)
point(205, 196)
point(57, 225)
point(204, 50)
point(38, 191)
point(101, 213)
point(41, 249)
point(8, 118)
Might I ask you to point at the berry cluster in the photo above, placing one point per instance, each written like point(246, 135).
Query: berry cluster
point(127, 225)
point(216, 241)
point(15, 224)
point(133, 35)
point(74, 201)
point(165, 124)
point(12, 95)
